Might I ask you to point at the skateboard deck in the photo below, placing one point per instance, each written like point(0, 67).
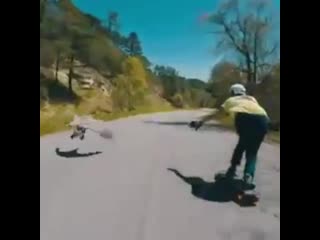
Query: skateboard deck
point(242, 195)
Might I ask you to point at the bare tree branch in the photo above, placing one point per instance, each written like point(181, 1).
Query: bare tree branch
point(233, 40)
point(246, 31)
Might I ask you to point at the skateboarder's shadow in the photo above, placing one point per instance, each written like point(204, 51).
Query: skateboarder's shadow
point(74, 153)
point(210, 191)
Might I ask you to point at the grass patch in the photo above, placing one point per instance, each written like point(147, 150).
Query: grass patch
point(54, 118)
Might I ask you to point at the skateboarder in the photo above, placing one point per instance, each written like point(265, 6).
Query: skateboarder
point(251, 123)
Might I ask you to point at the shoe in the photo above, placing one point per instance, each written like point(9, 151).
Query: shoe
point(231, 172)
point(248, 182)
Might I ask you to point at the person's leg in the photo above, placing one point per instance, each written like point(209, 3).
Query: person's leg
point(239, 149)
point(254, 142)
point(238, 152)
point(236, 158)
point(251, 157)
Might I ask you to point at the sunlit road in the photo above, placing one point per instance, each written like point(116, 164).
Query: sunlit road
point(127, 193)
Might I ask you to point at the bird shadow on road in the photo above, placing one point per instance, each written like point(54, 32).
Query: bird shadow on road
point(207, 126)
point(74, 153)
point(218, 191)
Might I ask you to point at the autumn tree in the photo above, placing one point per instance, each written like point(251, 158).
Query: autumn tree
point(131, 86)
point(222, 76)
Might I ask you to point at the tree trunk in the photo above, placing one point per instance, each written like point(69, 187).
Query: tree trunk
point(249, 69)
point(255, 57)
point(250, 75)
point(70, 74)
point(57, 66)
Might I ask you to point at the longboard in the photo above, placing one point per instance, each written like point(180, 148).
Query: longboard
point(244, 195)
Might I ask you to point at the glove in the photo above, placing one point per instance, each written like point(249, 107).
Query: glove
point(195, 124)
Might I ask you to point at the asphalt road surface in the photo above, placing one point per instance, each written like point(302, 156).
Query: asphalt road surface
point(126, 192)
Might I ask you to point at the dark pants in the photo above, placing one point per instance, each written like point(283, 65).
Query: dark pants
point(251, 130)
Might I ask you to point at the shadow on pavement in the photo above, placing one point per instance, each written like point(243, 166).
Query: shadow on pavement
point(207, 126)
point(209, 191)
point(74, 153)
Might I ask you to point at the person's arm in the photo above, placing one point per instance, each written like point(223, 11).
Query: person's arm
point(211, 115)
point(197, 124)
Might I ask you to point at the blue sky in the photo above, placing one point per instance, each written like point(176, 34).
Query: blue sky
point(170, 30)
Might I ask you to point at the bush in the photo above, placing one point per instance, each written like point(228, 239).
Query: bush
point(131, 86)
point(177, 100)
point(133, 68)
point(121, 93)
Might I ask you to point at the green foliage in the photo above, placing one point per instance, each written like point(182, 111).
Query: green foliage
point(100, 53)
point(181, 91)
point(113, 21)
point(196, 84)
point(133, 45)
point(82, 35)
point(177, 100)
point(168, 77)
point(145, 61)
point(198, 98)
point(130, 87)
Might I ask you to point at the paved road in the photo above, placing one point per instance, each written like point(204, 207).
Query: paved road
point(127, 193)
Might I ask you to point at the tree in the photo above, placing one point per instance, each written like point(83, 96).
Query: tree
point(169, 79)
point(113, 21)
point(42, 9)
point(246, 28)
point(196, 83)
point(145, 61)
point(62, 48)
point(268, 93)
point(47, 53)
point(100, 53)
point(130, 87)
point(177, 100)
point(95, 23)
point(133, 45)
point(222, 76)
point(71, 73)
point(133, 68)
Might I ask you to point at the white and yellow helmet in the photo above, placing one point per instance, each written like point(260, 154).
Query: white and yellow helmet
point(237, 89)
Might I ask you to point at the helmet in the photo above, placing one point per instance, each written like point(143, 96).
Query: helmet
point(237, 89)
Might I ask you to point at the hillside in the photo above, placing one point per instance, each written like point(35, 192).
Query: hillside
point(89, 67)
